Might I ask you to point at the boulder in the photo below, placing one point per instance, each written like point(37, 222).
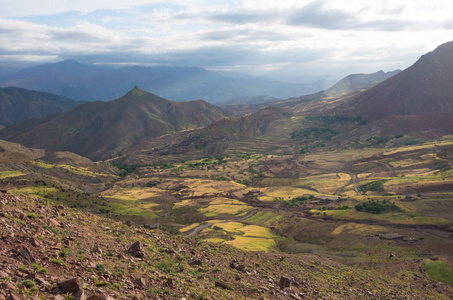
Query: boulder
point(284, 282)
point(136, 250)
point(72, 285)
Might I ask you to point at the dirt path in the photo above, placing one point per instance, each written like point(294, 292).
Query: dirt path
point(352, 181)
point(196, 230)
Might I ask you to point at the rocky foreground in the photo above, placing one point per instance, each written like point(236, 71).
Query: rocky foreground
point(49, 251)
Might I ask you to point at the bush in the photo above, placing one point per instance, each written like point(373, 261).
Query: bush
point(376, 186)
point(377, 207)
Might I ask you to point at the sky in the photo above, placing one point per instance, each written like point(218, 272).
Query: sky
point(292, 40)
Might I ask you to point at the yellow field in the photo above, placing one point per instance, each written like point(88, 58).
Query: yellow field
point(8, 174)
point(225, 206)
point(252, 244)
point(134, 194)
point(359, 229)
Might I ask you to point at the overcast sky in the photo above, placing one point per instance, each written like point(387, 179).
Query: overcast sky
point(291, 39)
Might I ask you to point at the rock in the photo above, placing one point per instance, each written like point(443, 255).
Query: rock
point(140, 283)
point(34, 242)
point(3, 274)
point(7, 286)
point(100, 297)
point(80, 295)
point(13, 297)
point(136, 250)
point(169, 282)
point(150, 226)
point(97, 249)
point(294, 296)
point(391, 236)
point(129, 223)
point(42, 282)
point(391, 255)
point(26, 257)
point(54, 222)
point(195, 262)
point(72, 285)
point(284, 282)
point(240, 268)
point(59, 297)
point(221, 284)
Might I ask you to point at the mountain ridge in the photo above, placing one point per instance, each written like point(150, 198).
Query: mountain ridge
point(99, 129)
point(90, 82)
point(19, 104)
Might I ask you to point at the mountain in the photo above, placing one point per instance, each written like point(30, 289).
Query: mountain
point(423, 88)
point(356, 82)
point(100, 129)
point(20, 104)
point(211, 140)
point(88, 82)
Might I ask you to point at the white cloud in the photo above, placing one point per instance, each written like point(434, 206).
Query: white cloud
point(317, 37)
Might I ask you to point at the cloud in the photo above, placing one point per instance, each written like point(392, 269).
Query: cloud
point(83, 33)
point(245, 34)
point(316, 15)
point(237, 17)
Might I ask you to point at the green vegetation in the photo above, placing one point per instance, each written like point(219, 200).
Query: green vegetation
point(408, 142)
point(377, 207)
point(296, 201)
point(324, 133)
point(329, 120)
point(375, 186)
point(438, 270)
point(125, 169)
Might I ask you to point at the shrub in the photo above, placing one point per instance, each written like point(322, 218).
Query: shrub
point(377, 185)
point(377, 207)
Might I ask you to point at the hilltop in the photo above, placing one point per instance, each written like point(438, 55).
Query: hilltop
point(101, 129)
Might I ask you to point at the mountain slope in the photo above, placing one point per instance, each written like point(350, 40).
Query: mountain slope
point(425, 87)
point(18, 104)
point(211, 140)
point(88, 82)
point(100, 129)
point(356, 82)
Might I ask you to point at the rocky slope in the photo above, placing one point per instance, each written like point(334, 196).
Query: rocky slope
point(48, 251)
point(425, 87)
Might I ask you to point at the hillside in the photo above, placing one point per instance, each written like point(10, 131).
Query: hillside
point(357, 82)
point(17, 104)
point(78, 255)
point(351, 84)
point(101, 129)
point(425, 87)
point(212, 140)
point(89, 82)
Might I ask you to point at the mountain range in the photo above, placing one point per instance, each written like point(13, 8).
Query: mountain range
point(89, 82)
point(417, 99)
